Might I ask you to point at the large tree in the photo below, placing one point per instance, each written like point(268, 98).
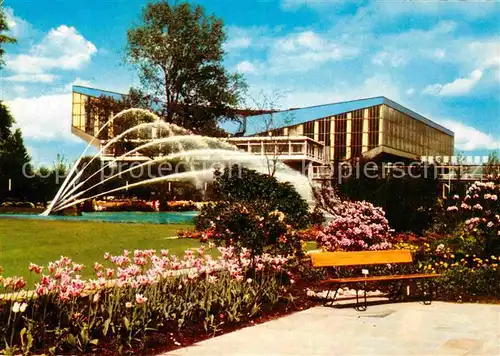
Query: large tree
point(6, 122)
point(178, 51)
point(3, 37)
point(6, 119)
point(14, 158)
point(14, 166)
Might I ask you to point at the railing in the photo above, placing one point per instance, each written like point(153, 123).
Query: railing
point(281, 147)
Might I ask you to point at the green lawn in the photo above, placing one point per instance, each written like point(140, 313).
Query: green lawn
point(25, 241)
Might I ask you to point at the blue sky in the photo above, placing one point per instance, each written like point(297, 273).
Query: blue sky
point(439, 58)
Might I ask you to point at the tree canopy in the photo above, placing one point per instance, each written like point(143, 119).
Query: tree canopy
point(14, 158)
point(6, 122)
point(3, 37)
point(178, 51)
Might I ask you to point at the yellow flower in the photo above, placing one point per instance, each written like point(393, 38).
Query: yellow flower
point(493, 257)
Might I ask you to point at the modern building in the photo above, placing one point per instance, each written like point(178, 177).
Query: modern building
point(317, 136)
point(374, 128)
point(82, 125)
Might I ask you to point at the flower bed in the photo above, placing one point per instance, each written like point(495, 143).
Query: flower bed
point(136, 294)
point(479, 210)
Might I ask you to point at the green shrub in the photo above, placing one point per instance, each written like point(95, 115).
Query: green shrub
point(408, 201)
point(239, 227)
point(259, 192)
point(256, 212)
point(463, 282)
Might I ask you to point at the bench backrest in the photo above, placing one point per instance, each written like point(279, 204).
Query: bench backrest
point(357, 258)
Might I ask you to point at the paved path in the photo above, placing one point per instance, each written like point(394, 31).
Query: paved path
point(390, 329)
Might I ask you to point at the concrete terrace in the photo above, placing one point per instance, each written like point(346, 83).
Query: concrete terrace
point(390, 329)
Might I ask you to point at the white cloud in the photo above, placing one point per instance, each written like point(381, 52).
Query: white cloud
point(468, 138)
point(466, 9)
point(77, 81)
point(395, 8)
point(256, 37)
point(31, 78)
point(485, 53)
point(18, 27)
point(19, 89)
point(303, 51)
point(299, 41)
point(410, 91)
point(380, 85)
point(316, 4)
point(439, 53)
point(459, 86)
point(246, 67)
point(238, 43)
point(62, 48)
point(393, 59)
point(43, 118)
point(292, 4)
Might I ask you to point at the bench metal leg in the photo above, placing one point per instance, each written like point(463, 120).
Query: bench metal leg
point(362, 307)
point(334, 296)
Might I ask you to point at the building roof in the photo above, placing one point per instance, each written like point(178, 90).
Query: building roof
point(256, 124)
point(96, 93)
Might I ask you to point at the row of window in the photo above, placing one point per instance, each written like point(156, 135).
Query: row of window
point(407, 134)
point(401, 132)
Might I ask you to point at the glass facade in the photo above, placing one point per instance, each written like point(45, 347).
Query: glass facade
point(373, 126)
point(351, 134)
point(78, 113)
point(345, 135)
point(81, 120)
point(340, 134)
point(407, 134)
point(356, 133)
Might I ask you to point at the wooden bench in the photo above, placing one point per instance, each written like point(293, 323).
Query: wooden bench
point(368, 258)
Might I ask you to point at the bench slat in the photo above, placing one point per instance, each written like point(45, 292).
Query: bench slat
point(357, 258)
point(380, 278)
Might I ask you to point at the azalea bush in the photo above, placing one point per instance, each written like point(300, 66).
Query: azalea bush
point(479, 210)
point(355, 226)
point(134, 294)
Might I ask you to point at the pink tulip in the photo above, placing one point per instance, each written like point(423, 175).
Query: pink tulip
point(140, 299)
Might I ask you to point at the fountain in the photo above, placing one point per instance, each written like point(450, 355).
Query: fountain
point(179, 143)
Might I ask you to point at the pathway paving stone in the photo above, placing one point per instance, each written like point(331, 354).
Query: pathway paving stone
point(390, 329)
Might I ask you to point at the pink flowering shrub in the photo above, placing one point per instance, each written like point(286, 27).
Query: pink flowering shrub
point(355, 226)
point(480, 212)
point(135, 292)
